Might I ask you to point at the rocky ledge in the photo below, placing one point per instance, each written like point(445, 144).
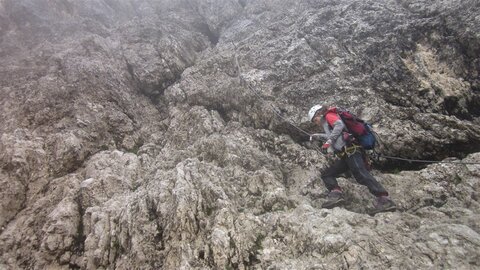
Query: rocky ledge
point(142, 134)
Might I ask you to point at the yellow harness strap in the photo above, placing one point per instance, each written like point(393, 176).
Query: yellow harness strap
point(348, 151)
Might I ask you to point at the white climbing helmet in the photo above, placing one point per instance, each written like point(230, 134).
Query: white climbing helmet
point(314, 110)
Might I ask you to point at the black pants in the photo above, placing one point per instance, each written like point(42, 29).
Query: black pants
point(357, 167)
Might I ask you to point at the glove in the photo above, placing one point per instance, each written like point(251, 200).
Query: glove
point(326, 146)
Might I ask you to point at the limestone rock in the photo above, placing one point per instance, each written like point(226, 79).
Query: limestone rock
point(158, 134)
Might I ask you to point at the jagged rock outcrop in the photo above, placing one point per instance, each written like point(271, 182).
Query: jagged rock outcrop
point(130, 138)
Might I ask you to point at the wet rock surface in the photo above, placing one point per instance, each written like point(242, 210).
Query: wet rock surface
point(142, 134)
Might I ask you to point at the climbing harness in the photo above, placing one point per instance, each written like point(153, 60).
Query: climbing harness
point(348, 150)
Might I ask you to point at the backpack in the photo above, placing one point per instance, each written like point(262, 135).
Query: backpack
point(361, 130)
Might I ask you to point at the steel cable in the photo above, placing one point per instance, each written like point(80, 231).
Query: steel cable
point(278, 114)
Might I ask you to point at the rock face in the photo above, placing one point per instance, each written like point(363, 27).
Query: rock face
point(128, 139)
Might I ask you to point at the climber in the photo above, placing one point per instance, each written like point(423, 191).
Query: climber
point(350, 156)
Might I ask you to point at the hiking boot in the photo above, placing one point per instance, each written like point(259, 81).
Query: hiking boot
point(383, 204)
point(334, 198)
